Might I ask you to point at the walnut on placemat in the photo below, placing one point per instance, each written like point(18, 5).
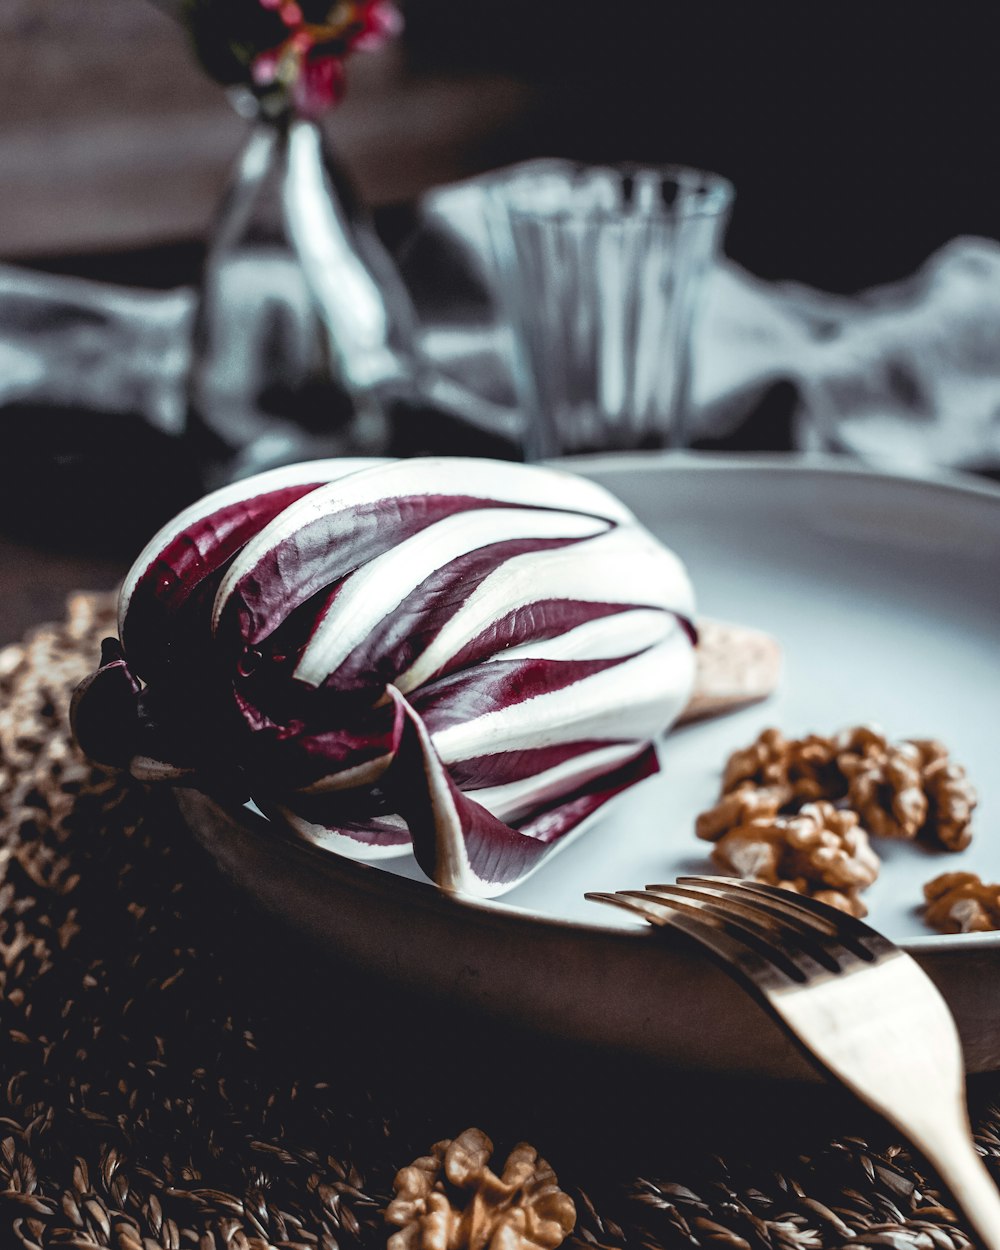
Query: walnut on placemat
point(961, 902)
point(820, 852)
point(452, 1200)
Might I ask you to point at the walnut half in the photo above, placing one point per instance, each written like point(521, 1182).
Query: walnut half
point(910, 789)
point(451, 1200)
point(960, 902)
point(820, 852)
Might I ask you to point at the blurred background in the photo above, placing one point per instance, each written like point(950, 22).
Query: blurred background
point(860, 136)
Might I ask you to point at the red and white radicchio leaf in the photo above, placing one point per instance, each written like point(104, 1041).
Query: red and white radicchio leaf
point(465, 657)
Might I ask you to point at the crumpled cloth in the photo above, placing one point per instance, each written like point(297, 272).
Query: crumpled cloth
point(70, 343)
point(907, 373)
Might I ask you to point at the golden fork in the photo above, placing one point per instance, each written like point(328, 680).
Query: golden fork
point(860, 1006)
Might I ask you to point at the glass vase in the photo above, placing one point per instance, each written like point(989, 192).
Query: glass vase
point(304, 334)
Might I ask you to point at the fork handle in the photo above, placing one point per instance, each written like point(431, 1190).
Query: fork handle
point(960, 1166)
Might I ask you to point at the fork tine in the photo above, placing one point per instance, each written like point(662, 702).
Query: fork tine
point(794, 940)
point(620, 900)
point(756, 963)
point(839, 927)
point(799, 960)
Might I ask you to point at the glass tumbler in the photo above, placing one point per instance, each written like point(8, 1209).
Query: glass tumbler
point(599, 273)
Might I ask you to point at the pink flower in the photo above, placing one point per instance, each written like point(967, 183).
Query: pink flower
point(308, 63)
point(318, 85)
point(381, 21)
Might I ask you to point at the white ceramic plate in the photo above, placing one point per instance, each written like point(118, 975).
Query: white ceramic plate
point(884, 594)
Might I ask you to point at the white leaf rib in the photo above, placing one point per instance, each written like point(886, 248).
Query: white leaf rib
point(604, 638)
point(339, 840)
point(530, 486)
point(378, 588)
point(623, 565)
point(516, 799)
point(637, 700)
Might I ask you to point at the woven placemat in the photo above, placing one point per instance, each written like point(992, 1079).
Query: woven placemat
point(178, 1071)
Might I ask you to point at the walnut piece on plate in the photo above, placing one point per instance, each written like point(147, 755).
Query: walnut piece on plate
point(804, 766)
point(899, 790)
point(741, 806)
point(910, 789)
point(452, 1200)
point(951, 797)
point(798, 812)
point(820, 852)
point(960, 902)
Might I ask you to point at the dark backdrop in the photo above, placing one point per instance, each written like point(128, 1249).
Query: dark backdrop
point(860, 136)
